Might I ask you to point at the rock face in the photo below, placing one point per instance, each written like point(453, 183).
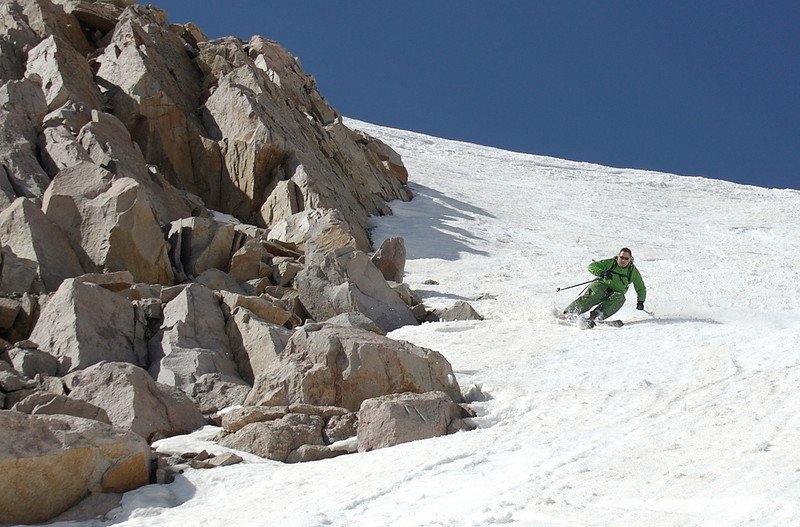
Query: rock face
point(50, 462)
point(177, 121)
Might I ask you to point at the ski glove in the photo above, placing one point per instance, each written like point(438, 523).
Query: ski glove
point(606, 275)
point(640, 305)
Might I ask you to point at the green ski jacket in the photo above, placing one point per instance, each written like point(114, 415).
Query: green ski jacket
point(621, 277)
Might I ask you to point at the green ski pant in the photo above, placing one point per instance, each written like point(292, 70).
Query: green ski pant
point(597, 294)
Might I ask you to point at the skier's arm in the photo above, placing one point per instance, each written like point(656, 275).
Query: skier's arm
point(600, 267)
point(638, 284)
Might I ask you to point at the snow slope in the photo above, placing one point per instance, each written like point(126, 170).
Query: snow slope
point(691, 418)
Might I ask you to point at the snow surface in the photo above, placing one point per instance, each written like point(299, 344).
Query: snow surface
point(691, 418)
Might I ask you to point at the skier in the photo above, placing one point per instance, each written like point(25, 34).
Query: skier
point(608, 291)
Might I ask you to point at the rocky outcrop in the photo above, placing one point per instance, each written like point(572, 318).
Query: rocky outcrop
point(130, 292)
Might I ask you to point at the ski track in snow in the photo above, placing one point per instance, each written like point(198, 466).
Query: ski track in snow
point(691, 418)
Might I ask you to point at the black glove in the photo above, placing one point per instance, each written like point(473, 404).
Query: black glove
point(606, 275)
point(640, 305)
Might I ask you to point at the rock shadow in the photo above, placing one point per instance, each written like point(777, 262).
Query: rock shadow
point(431, 216)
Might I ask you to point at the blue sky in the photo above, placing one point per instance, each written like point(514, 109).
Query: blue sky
point(707, 88)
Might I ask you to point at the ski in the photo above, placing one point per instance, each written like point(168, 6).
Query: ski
point(585, 323)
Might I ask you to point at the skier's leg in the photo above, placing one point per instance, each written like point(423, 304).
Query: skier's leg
point(592, 296)
point(609, 306)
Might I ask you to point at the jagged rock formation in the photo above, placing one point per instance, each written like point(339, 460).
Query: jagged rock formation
point(107, 105)
point(178, 218)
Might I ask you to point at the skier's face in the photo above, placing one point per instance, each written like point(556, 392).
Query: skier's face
point(623, 259)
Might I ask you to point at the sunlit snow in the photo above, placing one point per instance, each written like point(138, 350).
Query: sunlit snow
point(691, 418)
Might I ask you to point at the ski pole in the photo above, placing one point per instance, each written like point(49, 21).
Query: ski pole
point(576, 285)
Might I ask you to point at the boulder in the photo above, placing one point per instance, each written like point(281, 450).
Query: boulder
point(339, 366)
point(263, 307)
point(340, 427)
point(282, 203)
point(18, 274)
point(109, 145)
point(219, 280)
point(30, 235)
point(45, 403)
point(60, 149)
point(250, 262)
point(73, 116)
point(28, 313)
point(134, 401)
point(109, 222)
point(324, 229)
point(255, 342)
point(25, 98)
point(405, 293)
point(400, 418)
point(199, 244)
point(191, 351)
point(355, 320)
point(13, 381)
point(50, 462)
point(83, 324)
point(21, 175)
point(305, 453)
point(238, 418)
point(390, 259)
point(13, 22)
point(9, 309)
point(64, 72)
point(278, 438)
point(346, 280)
point(116, 281)
point(284, 270)
point(459, 311)
point(31, 362)
point(213, 392)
